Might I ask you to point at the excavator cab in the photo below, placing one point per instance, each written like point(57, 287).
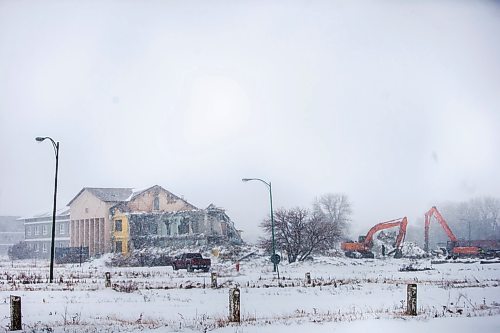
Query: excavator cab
point(450, 245)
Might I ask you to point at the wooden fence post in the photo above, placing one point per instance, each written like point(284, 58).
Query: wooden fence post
point(107, 284)
point(234, 305)
point(214, 280)
point(15, 313)
point(411, 299)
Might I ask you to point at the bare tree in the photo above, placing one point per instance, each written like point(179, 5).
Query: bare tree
point(335, 209)
point(483, 216)
point(490, 216)
point(320, 235)
point(299, 233)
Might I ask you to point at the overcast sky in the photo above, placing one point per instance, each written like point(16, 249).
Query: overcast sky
point(395, 103)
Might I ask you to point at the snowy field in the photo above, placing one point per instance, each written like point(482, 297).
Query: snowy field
point(345, 295)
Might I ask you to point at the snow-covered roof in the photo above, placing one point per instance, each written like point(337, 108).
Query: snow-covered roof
point(107, 194)
point(121, 196)
point(137, 191)
point(111, 194)
point(60, 212)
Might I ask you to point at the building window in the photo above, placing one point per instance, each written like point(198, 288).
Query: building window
point(36, 247)
point(44, 229)
point(44, 247)
point(118, 247)
point(61, 229)
point(118, 225)
point(28, 231)
point(183, 227)
point(156, 203)
point(86, 210)
point(37, 231)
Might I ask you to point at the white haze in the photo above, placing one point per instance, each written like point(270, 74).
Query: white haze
point(395, 103)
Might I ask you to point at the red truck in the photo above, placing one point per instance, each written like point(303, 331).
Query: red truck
point(191, 261)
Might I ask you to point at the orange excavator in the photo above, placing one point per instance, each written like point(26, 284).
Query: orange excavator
point(365, 243)
point(453, 250)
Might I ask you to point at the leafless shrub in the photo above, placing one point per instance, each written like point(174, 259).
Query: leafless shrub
point(126, 287)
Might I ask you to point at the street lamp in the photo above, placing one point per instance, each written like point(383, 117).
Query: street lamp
point(275, 259)
point(56, 151)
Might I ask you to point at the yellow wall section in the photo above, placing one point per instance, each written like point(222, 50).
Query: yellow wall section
point(121, 235)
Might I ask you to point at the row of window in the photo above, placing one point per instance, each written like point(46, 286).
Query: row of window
point(44, 246)
point(44, 229)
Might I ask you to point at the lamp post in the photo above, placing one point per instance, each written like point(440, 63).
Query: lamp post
point(275, 259)
point(52, 244)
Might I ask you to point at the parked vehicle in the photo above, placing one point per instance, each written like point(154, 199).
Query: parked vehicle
point(191, 261)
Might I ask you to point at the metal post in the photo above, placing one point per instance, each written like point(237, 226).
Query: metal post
point(411, 299)
point(272, 226)
point(234, 305)
point(469, 233)
point(214, 280)
point(275, 259)
point(15, 313)
point(107, 284)
point(53, 233)
point(52, 245)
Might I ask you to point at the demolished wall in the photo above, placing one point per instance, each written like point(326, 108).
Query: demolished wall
point(184, 228)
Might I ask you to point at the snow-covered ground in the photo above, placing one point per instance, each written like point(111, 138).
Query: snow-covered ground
point(345, 295)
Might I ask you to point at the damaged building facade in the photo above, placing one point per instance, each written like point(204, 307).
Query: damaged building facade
point(157, 218)
point(181, 228)
point(122, 219)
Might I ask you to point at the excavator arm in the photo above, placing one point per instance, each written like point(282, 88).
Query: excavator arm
point(365, 246)
point(434, 212)
point(401, 222)
point(456, 251)
point(402, 233)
